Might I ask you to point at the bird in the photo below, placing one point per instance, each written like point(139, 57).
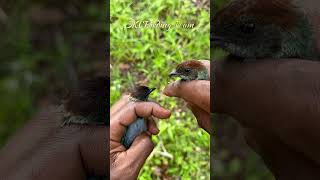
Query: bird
point(190, 70)
point(139, 94)
point(87, 103)
point(256, 29)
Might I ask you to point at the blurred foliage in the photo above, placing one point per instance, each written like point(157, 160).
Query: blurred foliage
point(233, 159)
point(41, 42)
point(147, 56)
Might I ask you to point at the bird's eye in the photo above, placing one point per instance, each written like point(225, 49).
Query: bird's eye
point(248, 28)
point(187, 70)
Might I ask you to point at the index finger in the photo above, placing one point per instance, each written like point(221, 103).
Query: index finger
point(129, 114)
point(197, 92)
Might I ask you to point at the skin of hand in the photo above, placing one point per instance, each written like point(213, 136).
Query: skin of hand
point(44, 150)
point(197, 95)
point(126, 163)
point(277, 101)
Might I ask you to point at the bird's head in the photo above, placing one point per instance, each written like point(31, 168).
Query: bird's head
point(255, 28)
point(141, 93)
point(89, 99)
point(190, 70)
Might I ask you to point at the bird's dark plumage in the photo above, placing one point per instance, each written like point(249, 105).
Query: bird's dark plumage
point(88, 103)
point(141, 93)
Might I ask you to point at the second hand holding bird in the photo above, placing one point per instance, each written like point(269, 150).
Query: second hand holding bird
point(195, 93)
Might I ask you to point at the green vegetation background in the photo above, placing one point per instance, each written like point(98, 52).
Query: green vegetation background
point(147, 56)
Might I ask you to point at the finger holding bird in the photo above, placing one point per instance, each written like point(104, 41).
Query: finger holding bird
point(140, 125)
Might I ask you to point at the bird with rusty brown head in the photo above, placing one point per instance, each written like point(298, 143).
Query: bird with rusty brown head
point(87, 103)
point(190, 70)
point(138, 94)
point(253, 29)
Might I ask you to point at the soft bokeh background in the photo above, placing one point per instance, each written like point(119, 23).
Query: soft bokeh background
point(42, 44)
point(233, 159)
point(147, 56)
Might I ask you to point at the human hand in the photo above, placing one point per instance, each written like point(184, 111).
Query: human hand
point(276, 101)
point(126, 163)
point(197, 95)
point(44, 150)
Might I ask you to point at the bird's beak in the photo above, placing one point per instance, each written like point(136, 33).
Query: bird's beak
point(151, 90)
point(173, 74)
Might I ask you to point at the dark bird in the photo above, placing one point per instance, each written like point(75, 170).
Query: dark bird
point(139, 93)
point(190, 70)
point(87, 103)
point(264, 29)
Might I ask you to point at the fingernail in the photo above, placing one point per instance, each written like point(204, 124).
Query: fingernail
point(167, 111)
point(156, 130)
